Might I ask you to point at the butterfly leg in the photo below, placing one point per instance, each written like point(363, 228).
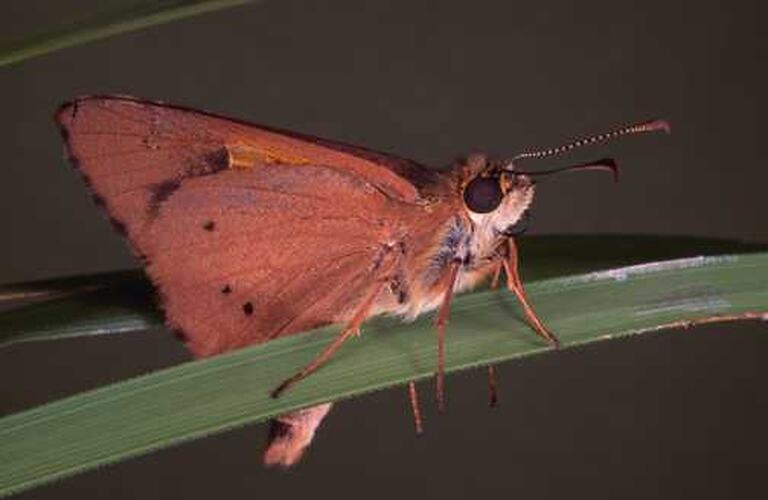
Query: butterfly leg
point(515, 285)
point(492, 394)
point(496, 268)
point(440, 322)
point(413, 398)
point(496, 275)
point(351, 329)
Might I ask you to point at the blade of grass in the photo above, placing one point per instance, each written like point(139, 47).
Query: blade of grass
point(107, 19)
point(78, 307)
point(204, 397)
point(63, 287)
point(122, 302)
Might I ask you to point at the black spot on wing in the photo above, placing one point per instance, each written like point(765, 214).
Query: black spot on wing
point(209, 225)
point(248, 308)
point(226, 289)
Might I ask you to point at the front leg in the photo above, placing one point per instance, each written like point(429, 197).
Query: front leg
point(515, 285)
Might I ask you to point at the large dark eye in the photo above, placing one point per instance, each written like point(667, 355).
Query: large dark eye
point(483, 194)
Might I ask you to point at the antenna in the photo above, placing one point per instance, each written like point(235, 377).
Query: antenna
point(638, 128)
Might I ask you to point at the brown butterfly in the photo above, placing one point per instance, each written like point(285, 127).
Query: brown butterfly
point(251, 233)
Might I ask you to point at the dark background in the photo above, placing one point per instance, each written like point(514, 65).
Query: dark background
point(660, 416)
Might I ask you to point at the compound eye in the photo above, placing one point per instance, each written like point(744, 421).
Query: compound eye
point(483, 194)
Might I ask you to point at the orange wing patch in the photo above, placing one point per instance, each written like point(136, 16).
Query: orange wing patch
point(245, 157)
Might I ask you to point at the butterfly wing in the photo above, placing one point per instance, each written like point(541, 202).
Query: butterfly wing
point(247, 232)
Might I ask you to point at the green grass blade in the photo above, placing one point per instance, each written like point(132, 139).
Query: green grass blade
point(122, 302)
point(78, 307)
point(201, 398)
point(108, 18)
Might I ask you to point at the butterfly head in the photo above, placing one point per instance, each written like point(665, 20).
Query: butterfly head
point(494, 195)
point(497, 194)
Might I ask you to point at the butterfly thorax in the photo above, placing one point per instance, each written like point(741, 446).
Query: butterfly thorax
point(473, 241)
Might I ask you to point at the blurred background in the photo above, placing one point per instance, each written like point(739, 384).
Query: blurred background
point(660, 416)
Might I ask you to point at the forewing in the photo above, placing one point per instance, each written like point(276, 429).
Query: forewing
point(241, 251)
point(140, 149)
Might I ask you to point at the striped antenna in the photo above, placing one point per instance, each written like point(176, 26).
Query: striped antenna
point(638, 128)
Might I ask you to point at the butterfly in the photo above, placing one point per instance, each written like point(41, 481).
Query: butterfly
point(250, 233)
